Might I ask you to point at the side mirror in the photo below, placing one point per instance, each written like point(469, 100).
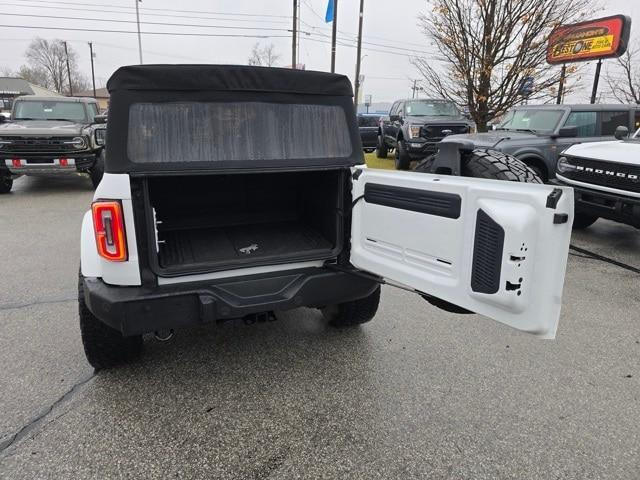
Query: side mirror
point(2, 118)
point(100, 136)
point(567, 132)
point(100, 119)
point(621, 132)
point(394, 118)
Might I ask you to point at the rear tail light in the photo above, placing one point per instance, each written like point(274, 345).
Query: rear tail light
point(108, 223)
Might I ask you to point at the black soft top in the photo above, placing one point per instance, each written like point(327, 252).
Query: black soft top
point(228, 78)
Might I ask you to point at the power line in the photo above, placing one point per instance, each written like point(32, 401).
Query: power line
point(182, 34)
point(242, 14)
point(147, 23)
point(172, 15)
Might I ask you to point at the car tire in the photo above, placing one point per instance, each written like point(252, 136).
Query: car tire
point(381, 150)
point(104, 346)
point(6, 183)
point(350, 314)
point(583, 220)
point(486, 163)
point(97, 171)
point(403, 161)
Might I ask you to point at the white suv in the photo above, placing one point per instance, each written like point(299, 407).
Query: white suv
point(232, 192)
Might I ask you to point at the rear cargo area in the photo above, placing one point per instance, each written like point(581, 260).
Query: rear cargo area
point(214, 222)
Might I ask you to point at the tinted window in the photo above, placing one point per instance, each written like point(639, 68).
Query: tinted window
point(611, 120)
point(368, 120)
point(584, 121)
point(210, 132)
point(49, 110)
point(394, 108)
point(531, 119)
point(431, 108)
point(93, 109)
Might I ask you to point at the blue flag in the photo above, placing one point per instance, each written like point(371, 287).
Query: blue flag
point(329, 16)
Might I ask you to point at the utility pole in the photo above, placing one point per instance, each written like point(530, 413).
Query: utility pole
point(294, 38)
point(359, 50)
point(563, 73)
point(334, 31)
point(594, 91)
point(66, 54)
point(414, 88)
point(93, 74)
point(139, 36)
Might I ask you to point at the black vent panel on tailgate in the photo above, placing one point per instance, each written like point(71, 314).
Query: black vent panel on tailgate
point(415, 200)
point(487, 255)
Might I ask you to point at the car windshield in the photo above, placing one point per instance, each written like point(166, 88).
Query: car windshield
point(49, 110)
point(436, 108)
point(531, 120)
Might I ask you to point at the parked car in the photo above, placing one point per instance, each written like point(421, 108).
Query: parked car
point(207, 213)
point(605, 177)
point(536, 134)
point(51, 135)
point(368, 127)
point(415, 126)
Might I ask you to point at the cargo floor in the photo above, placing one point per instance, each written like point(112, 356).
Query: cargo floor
point(207, 245)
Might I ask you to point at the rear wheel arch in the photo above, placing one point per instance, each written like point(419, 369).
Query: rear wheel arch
point(537, 164)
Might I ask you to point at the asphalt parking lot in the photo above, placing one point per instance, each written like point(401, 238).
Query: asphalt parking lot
point(417, 393)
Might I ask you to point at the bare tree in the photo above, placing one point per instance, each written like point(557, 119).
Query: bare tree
point(487, 47)
point(624, 81)
point(47, 64)
point(265, 57)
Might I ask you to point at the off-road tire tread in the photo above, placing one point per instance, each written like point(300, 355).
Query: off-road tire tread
point(354, 313)
point(403, 161)
point(381, 149)
point(492, 164)
point(104, 347)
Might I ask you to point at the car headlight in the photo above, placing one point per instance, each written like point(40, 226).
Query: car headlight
point(78, 143)
point(414, 132)
point(564, 165)
point(100, 136)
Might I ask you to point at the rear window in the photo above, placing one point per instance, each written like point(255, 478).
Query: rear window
point(210, 132)
point(368, 121)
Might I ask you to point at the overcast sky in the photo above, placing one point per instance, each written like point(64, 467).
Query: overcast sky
point(390, 33)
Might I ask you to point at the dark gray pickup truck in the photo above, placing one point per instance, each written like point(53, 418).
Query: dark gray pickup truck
point(51, 135)
point(415, 126)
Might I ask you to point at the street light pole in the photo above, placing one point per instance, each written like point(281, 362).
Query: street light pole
point(334, 32)
point(358, 59)
point(139, 36)
point(295, 34)
point(93, 75)
point(66, 54)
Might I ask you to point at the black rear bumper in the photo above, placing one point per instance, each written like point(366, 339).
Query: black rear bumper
point(615, 207)
point(136, 310)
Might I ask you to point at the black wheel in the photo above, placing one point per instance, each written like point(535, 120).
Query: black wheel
point(353, 313)
point(583, 220)
point(381, 149)
point(6, 182)
point(403, 161)
point(485, 163)
point(104, 347)
point(97, 171)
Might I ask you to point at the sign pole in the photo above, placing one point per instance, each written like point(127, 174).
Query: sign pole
point(561, 86)
point(334, 33)
point(358, 53)
point(594, 91)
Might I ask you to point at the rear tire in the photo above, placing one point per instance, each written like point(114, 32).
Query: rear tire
point(97, 171)
point(403, 161)
point(104, 346)
point(6, 182)
point(381, 150)
point(583, 220)
point(353, 313)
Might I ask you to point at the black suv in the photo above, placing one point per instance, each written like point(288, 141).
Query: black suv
point(414, 127)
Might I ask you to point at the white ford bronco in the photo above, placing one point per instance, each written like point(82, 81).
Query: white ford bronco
point(234, 192)
point(605, 177)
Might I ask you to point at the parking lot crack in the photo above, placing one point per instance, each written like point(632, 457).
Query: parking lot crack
point(40, 419)
point(50, 301)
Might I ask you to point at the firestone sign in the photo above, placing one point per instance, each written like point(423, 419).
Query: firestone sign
point(594, 39)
